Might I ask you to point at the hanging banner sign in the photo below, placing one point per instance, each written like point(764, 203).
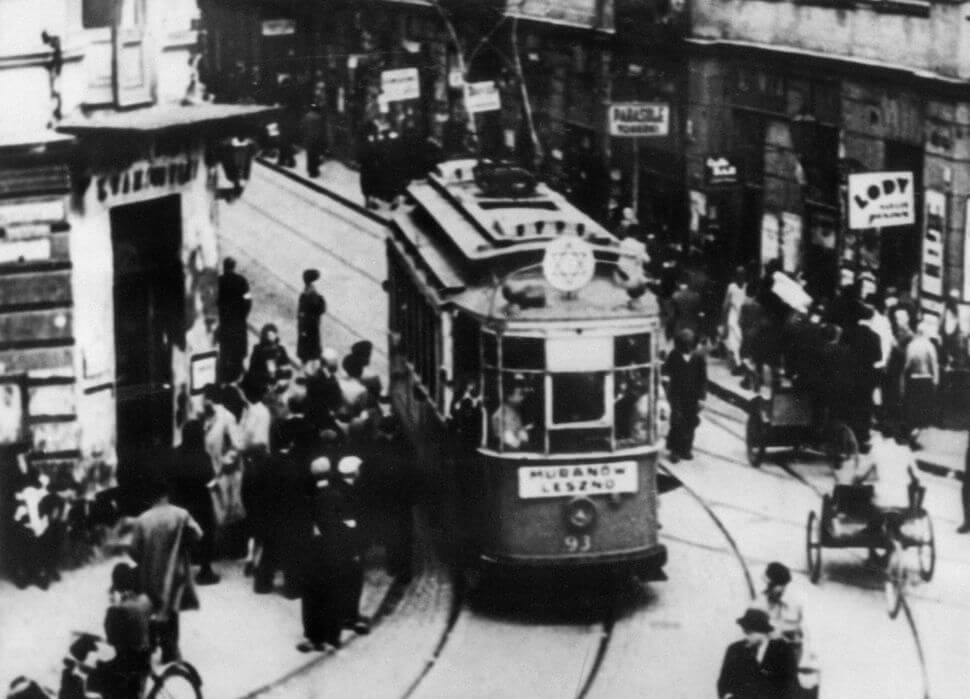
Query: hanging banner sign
point(881, 199)
point(482, 97)
point(400, 84)
point(931, 266)
point(639, 119)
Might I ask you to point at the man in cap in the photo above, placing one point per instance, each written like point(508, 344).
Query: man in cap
point(687, 373)
point(757, 666)
point(235, 303)
point(310, 309)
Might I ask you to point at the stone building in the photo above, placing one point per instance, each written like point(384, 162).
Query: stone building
point(787, 99)
point(556, 68)
point(108, 218)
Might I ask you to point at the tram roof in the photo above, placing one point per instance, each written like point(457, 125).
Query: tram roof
point(466, 242)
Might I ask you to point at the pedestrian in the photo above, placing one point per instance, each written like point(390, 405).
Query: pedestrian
point(160, 544)
point(127, 628)
point(235, 303)
point(191, 474)
point(921, 373)
point(269, 359)
point(734, 299)
point(313, 128)
point(757, 666)
point(310, 309)
point(687, 375)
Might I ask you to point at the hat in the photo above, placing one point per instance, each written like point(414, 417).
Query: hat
point(349, 466)
point(778, 573)
point(320, 466)
point(310, 275)
point(755, 620)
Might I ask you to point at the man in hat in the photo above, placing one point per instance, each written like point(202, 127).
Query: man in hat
point(757, 666)
point(310, 308)
point(687, 373)
point(235, 303)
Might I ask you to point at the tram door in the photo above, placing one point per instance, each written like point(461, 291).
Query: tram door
point(148, 309)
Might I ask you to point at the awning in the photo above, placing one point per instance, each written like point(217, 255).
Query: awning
point(581, 14)
point(165, 117)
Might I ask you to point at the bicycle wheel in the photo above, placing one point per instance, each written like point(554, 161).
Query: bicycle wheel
point(895, 581)
point(841, 447)
point(177, 681)
point(926, 551)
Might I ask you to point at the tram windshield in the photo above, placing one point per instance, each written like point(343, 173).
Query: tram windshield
point(568, 394)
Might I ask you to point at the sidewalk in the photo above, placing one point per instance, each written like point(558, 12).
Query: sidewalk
point(942, 453)
point(238, 641)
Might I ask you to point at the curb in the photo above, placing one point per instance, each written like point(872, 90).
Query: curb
point(389, 601)
point(737, 400)
point(309, 184)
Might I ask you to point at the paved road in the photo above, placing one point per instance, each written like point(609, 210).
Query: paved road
point(668, 639)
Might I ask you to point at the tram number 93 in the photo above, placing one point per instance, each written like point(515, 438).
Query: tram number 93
point(577, 544)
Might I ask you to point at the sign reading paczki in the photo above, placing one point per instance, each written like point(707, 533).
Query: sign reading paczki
point(635, 119)
point(881, 199)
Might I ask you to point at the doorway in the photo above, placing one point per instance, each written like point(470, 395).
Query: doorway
point(148, 310)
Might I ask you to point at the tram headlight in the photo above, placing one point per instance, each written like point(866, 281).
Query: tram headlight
point(580, 514)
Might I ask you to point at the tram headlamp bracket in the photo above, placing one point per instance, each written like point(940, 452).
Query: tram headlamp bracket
point(580, 514)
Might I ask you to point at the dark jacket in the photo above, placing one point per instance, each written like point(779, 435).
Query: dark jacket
point(744, 678)
point(308, 311)
point(688, 380)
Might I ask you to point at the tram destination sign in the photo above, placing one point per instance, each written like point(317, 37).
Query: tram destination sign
point(639, 119)
point(577, 479)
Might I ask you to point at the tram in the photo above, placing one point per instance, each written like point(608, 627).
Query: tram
point(524, 369)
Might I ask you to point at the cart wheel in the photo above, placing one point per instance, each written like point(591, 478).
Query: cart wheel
point(754, 437)
point(841, 447)
point(895, 581)
point(926, 552)
point(813, 546)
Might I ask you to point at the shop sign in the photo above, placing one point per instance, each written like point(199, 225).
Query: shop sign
point(278, 27)
point(881, 199)
point(400, 84)
point(482, 97)
point(719, 171)
point(585, 479)
point(931, 266)
point(639, 119)
point(770, 238)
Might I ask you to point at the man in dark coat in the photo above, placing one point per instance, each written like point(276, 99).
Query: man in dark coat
point(687, 374)
point(309, 310)
point(235, 303)
point(757, 667)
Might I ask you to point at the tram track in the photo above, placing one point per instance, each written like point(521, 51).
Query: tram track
point(803, 481)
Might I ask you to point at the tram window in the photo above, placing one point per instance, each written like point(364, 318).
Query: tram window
point(631, 406)
point(578, 397)
point(523, 353)
point(631, 349)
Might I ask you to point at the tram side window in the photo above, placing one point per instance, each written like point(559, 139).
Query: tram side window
point(632, 383)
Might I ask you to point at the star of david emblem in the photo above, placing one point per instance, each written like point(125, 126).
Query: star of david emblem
point(568, 264)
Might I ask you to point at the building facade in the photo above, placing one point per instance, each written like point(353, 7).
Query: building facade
point(553, 69)
point(108, 214)
point(789, 100)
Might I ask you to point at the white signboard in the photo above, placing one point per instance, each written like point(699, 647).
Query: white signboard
point(639, 119)
point(577, 479)
point(881, 199)
point(482, 97)
point(400, 84)
point(931, 279)
point(278, 27)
